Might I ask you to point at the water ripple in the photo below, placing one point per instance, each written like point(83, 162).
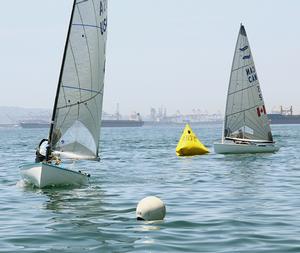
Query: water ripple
point(215, 203)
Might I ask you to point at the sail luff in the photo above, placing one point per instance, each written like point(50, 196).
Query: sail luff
point(228, 89)
point(60, 78)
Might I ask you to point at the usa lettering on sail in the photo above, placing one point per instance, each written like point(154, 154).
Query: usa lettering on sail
point(102, 11)
point(103, 7)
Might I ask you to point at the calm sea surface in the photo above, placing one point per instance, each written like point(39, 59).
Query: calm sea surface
point(215, 203)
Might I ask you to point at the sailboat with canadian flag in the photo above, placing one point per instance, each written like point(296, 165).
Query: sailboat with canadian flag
point(246, 125)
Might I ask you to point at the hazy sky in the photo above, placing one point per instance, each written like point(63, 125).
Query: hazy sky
point(170, 53)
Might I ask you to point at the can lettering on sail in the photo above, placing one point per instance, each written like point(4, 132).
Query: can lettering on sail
point(251, 74)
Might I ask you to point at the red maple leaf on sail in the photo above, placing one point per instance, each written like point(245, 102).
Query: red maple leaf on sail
point(261, 110)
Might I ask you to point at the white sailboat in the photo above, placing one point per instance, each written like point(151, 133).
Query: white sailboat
point(246, 126)
point(76, 118)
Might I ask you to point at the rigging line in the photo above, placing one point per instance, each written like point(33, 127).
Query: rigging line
point(87, 25)
point(232, 106)
point(241, 104)
point(76, 68)
point(64, 95)
point(241, 67)
point(234, 80)
point(88, 48)
point(81, 102)
point(83, 1)
point(78, 88)
point(95, 123)
point(74, 60)
point(249, 97)
point(243, 110)
point(242, 115)
point(64, 119)
point(95, 12)
point(78, 111)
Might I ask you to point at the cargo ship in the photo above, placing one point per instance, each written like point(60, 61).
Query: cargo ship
point(277, 118)
point(105, 123)
point(121, 123)
point(284, 116)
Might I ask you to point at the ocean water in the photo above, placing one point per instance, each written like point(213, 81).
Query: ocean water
point(215, 203)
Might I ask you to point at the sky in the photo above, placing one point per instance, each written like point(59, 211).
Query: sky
point(160, 53)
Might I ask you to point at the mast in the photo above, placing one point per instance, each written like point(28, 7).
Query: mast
point(59, 82)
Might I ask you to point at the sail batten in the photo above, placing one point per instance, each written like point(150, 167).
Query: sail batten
point(242, 111)
point(81, 89)
point(87, 25)
point(76, 117)
point(245, 113)
point(240, 90)
point(241, 67)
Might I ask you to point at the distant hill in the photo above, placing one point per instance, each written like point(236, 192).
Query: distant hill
point(14, 115)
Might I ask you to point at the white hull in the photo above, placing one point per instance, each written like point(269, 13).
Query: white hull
point(43, 175)
point(234, 148)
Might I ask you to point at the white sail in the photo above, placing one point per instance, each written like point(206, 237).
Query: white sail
point(245, 115)
point(76, 118)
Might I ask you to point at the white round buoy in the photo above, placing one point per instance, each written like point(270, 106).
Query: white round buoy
point(150, 208)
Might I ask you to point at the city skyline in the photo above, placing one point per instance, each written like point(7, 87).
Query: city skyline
point(159, 54)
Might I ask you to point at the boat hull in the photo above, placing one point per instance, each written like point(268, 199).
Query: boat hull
point(233, 148)
point(44, 175)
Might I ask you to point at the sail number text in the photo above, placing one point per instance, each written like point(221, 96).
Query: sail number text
point(103, 7)
point(251, 74)
point(103, 26)
point(252, 77)
point(259, 93)
point(102, 11)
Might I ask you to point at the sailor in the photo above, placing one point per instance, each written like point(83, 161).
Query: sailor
point(240, 134)
point(38, 156)
point(40, 153)
point(56, 160)
point(50, 157)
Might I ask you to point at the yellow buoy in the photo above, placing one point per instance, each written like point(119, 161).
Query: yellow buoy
point(189, 144)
